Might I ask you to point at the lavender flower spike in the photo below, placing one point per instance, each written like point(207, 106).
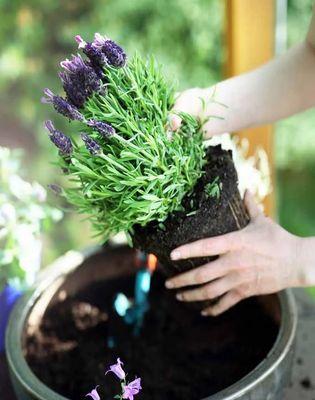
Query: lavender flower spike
point(79, 80)
point(73, 65)
point(115, 55)
point(117, 370)
point(59, 139)
point(103, 128)
point(80, 41)
point(132, 389)
point(62, 106)
point(92, 146)
point(99, 40)
point(94, 394)
point(96, 56)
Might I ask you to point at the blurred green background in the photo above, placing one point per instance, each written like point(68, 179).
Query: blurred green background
point(185, 35)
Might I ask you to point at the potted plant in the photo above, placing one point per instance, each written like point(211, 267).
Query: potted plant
point(23, 215)
point(128, 171)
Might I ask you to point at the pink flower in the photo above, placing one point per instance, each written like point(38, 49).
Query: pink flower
point(117, 370)
point(132, 389)
point(94, 394)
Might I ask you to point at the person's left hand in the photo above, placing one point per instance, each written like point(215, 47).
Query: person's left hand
point(262, 258)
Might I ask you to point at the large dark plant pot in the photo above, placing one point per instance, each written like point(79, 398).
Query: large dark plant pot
point(76, 270)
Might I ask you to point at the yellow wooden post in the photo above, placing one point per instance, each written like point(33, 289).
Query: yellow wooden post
point(250, 36)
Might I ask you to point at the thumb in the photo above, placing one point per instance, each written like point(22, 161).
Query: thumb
point(251, 205)
point(175, 121)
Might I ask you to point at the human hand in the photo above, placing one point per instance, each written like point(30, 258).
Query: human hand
point(201, 104)
point(262, 258)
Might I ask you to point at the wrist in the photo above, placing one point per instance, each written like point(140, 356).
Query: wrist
point(305, 262)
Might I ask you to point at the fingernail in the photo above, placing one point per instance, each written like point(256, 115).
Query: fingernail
point(179, 297)
point(169, 284)
point(175, 255)
point(204, 313)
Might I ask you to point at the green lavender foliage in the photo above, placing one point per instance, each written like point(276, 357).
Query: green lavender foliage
point(144, 170)
point(213, 189)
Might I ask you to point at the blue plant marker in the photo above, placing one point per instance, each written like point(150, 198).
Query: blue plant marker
point(133, 312)
point(142, 286)
point(8, 298)
point(121, 304)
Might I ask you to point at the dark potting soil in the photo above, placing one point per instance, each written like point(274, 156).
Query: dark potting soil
point(202, 215)
point(179, 355)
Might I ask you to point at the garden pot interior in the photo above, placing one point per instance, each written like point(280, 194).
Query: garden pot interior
point(73, 275)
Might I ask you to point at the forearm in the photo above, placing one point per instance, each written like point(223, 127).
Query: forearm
point(306, 262)
point(276, 90)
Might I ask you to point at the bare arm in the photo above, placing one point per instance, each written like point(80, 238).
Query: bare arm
point(261, 258)
point(280, 88)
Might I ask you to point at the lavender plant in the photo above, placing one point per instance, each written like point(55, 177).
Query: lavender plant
point(124, 165)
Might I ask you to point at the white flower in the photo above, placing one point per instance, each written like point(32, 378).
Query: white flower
point(7, 214)
point(20, 188)
point(39, 192)
point(29, 249)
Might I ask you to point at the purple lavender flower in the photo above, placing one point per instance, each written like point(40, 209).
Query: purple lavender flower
point(115, 55)
point(117, 370)
point(62, 106)
point(94, 394)
point(79, 80)
point(96, 56)
point(59, 139)
point(103, 128)
point(92, 146)
point(132, 389)
point(99, 40)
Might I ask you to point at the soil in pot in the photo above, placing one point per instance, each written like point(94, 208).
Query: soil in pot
point(203, 215)
point(179, 355)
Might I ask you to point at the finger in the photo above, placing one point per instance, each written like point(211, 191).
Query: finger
point(227, 301)
point(251, 205)
point(211, 290)
point(175, 122)
point(179, 106)
point(206, 273)
point(208, 247)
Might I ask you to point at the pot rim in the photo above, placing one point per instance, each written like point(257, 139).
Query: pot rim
point(60, 269)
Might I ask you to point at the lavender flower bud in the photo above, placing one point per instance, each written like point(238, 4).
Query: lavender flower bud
point(62, 106)
point(59, 139)
point(79, 80)
point(115, 55)
point(103, 128)
point(96, 56)
point(99, 40)
point(92, 146)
